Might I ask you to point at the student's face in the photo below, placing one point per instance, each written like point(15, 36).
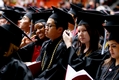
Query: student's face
point(50, 29)
point(24, 23)
point(40, 30)
point(3, 21)
point(114, 49)
point(83, 34)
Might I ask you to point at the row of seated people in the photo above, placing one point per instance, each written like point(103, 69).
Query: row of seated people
point(60, 47)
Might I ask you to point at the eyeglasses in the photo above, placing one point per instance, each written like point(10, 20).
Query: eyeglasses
point(49, 25)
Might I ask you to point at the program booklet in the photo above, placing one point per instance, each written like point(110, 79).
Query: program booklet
point(71, 74)
point(34, 67)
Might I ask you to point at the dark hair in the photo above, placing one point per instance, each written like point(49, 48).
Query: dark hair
point(43, 24)
point(60, 24)
point(113, 37)
point(94, 39)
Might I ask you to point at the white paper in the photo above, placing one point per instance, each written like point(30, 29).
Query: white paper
point(71, 73)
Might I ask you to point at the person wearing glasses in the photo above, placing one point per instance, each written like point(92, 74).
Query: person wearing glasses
point(30, 52)
point(53, 50)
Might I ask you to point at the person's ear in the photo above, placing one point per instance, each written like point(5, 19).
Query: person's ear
point(60, 29)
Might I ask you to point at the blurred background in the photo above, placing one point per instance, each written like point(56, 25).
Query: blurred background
point(59, 3)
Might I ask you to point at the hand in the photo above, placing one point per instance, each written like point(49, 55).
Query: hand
point(67, 37)
point(33, 38)
point(26, 41)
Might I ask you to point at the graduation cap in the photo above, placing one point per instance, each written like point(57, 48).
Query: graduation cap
point(29, 15)
point(12, 15)
point(20, 9)
point(47, 10)
point(114, 31)
point(74, 9)
point(11, 32)
point(79, 5)
point(40, 17)
point(17, 33)
point(39, 9)
point(9, 7)
point(64, 9)
point(112, 26)
point(95, 12)
point(93, 18)
point(31, 9)
point(111, 20)
point(61, 17)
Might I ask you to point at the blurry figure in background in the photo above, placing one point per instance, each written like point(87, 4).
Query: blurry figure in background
point(109, 68)
point(2, 20)
point(19, 3)
point(67, 5)
point(26, 25)
point(30, 52)
point(73, 28)
point(74, 1)
point(25, 22)
point(91, 4)
point(78, 3)
point(97, 3)
point(9, 13)
point(11, 68)
point(7, 8)
point(20, 9)
point(104, 6)
point(6, 2)
point(116, 8)
point(74, 13)
point(61, 4)
point(1, 3)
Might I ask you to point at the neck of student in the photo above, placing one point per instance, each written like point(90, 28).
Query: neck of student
point(117, 62)
point(56, 37)
point(87, 47)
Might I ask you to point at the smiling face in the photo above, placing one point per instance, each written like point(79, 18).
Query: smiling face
point(114, 49)
point(83, 34)
point(40, 30)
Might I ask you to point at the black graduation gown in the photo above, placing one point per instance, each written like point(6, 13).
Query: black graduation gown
point(89, 63)
point(57, 70)
point(110, 72)
point(13, 69)
point(26, 52)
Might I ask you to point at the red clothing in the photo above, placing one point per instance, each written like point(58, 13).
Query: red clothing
point(36, 52)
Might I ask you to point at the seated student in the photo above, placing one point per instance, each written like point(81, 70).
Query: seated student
point(88, 56)
point(74, 13)
point(53, 50)
point(11, 68)
point(26, 25)
point(30, 52)
point(8, 13)
point(109, 68)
